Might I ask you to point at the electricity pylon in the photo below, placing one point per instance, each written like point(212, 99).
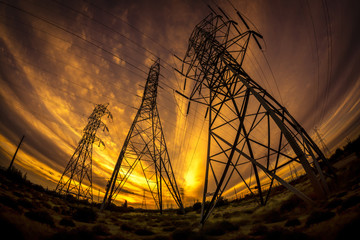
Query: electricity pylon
point(249, 132)
point(145, 145)
point(323, 145)
point(143, 204)
point(77, 176)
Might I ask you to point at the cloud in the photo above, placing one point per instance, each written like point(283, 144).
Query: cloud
point(50, 79)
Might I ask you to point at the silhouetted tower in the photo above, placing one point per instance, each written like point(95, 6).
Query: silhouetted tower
point(143, 204)
point(77, 177)
point(323, 145)
point(145, 145)
point(251, 136)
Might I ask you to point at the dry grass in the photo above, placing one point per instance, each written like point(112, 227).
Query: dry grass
point(34, 213)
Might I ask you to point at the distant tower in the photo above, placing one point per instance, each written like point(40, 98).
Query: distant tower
point(251, 136)
point(145, 145)
point(77, 177)
point(323, 145)
point(143, 204)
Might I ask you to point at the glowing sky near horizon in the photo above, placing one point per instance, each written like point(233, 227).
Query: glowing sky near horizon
point(59, 59)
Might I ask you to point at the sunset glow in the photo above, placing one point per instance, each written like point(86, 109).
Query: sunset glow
point(60, 59)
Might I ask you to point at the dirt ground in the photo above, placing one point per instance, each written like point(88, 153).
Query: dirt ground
point(30, 212)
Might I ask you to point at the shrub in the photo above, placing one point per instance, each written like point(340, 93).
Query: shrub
point(350, 202)
point(67, 222)
point(291, 203)
point(143, 232)
point(78, 233)
point(219, 228)
point(169, 228)
point(8, 201)
point(283, 234)
point(101, 229)
point(292, 222)
point(25, 203)
point(349, 230)
point(85, 214)
point(197, 206)
point(127, 227)
point(222, 202)
point(40, 216)
point(259, 230)
point(274, 216)
point(16, 175)
point(319, 216)
point(9, 229)
point(183, 234)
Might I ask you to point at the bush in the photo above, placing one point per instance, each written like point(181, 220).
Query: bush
point(25, 203)
point(101, 229)
point(16, 175)
point(184, 234)
point(349, 230)
point(127, 227)
point(78, 233)
point(85, 214)
point(292, 222)
point(67, 222)
point(350, 202)
point(283, 234)
point(291, 203)
point(169, 228)
point(144, 232)
point(8, 201)
point(9, 229)
point(222, 202)
point(319, 216)
point(197, 206)
point(40, 216)
point(259, 230)
point(219, 228)
point(334, 203)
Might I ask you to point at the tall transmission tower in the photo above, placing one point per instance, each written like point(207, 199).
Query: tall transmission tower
point(145, 146)
point(323, 145)
point(251, 136)
point(77, 176)
point(143, 204)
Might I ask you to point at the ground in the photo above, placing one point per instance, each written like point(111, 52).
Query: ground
point(30, 212)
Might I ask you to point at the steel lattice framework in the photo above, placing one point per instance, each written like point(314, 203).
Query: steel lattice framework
point(77, 176)
point(250, 133)
point(145, 145)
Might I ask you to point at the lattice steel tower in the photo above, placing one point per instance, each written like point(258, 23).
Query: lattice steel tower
point(77, 177)
point(145, 145)
point(252, 137)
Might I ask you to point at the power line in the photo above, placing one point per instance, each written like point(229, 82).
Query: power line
point(74, 34)
point(317, 54)
point(72, 66)
point(329, 43)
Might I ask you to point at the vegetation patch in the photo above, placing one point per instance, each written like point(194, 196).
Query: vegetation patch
point(184, 234)
point(292, 222)
point(350, 202)
point(319, 216)
point(143, 232)
point(101, 229)
point(85, 214)
point(40, 216)
point(67, 222)
point(259, 230)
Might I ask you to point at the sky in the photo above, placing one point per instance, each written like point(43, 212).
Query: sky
point(61, 58)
